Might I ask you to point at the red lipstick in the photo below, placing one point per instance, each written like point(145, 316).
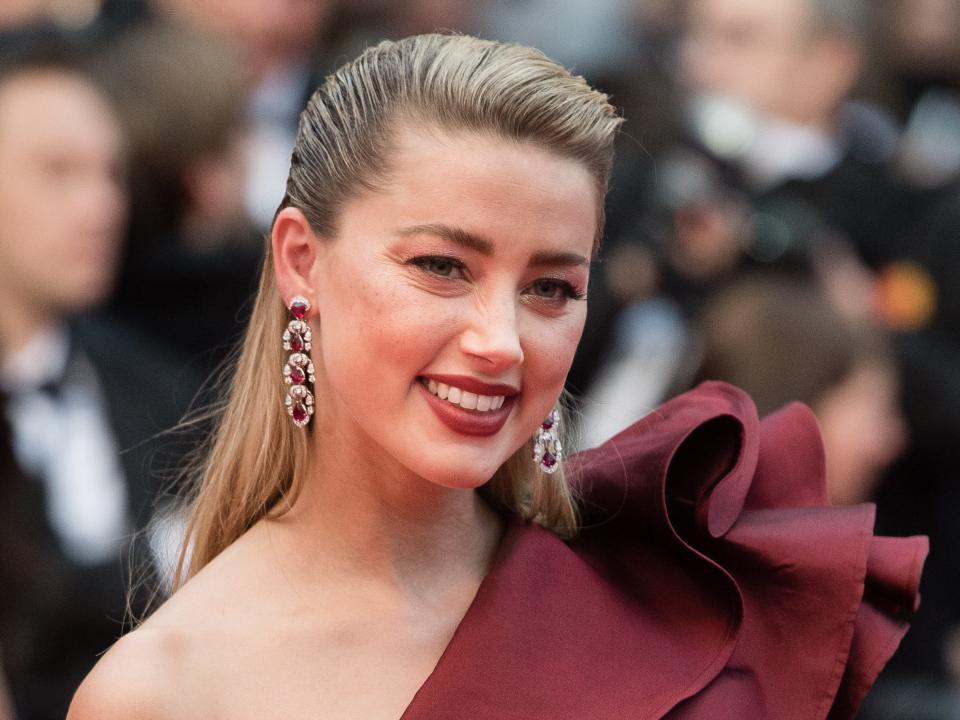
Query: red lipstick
point(471, 422)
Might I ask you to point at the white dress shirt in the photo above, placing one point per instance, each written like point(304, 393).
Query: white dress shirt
point(63, 439)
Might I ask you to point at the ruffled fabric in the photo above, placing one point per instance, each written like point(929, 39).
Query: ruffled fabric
point(711, 580)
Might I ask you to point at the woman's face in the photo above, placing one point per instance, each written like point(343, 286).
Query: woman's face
point(449, 306)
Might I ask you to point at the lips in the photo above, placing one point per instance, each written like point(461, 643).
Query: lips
point(469, 406)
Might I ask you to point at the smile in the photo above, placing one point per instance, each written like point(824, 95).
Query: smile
point(463, 398)
point(469, 406)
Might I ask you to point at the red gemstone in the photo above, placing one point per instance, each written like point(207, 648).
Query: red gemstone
point(547, 424)
point(297, 376)
point(549, 460)
point(299, 413)
point(299, 309)
point(296, 342)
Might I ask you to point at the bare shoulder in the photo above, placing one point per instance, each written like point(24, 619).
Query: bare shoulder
point(135, 679)
point(184, 659)
point(175, 664)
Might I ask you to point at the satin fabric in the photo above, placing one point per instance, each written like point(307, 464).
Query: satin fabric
point(710, 580)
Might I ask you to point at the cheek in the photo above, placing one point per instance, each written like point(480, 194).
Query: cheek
point(376, 333)
point(549, 346)
point(29, 250)
point(26, 217)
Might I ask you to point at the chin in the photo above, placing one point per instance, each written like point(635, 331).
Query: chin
point(460, 475)
point(85, 296)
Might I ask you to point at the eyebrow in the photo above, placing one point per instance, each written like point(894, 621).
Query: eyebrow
point(484, 246)
point(567, 259)
point(458, 236)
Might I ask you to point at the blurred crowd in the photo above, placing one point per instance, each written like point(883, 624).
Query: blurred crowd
point(784, 215)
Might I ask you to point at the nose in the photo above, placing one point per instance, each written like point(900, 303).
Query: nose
point(492, 336)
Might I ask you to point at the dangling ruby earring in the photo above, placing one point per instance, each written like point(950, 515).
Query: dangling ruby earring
point(547, 451)
point(298, 370)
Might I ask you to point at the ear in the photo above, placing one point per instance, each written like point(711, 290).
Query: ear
point(295, 249)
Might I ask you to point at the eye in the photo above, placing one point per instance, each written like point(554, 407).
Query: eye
point(555, 290)
point(439, 265)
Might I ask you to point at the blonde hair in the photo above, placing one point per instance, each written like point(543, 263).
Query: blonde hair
point(255, 460)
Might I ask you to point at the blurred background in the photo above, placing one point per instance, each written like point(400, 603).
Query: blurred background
point(784, 215)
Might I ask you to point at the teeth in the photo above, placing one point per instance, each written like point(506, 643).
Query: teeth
point(466, 400)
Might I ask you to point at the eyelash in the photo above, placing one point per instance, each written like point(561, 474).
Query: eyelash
point(423, 263)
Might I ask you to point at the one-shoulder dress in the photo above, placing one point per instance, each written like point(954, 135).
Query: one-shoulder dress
point(711, 580)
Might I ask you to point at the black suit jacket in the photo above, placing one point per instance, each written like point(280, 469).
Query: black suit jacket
point(57, 616)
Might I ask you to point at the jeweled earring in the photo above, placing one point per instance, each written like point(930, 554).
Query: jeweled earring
point(547, 451)
point(298, 370)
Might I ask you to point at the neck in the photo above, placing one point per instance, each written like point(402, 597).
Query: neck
point(384, 524)
point(20, 320)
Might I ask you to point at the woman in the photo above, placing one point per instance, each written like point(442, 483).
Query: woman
point(394, 539)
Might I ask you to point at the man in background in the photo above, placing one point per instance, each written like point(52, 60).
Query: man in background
point(769, 96)
point(79, 399)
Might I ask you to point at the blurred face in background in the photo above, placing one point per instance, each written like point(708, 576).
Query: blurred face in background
point(412, 17)
point(62, 205)
point(768, 55)
point(271, 33)
point(18, 12)
point(923, 36)
point(863, 431)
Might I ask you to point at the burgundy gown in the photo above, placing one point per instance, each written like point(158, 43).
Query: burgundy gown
point(711, 580)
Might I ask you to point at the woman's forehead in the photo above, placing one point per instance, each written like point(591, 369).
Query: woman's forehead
point(500, 189)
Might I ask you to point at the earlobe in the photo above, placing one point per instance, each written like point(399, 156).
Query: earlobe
point(294, 246)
